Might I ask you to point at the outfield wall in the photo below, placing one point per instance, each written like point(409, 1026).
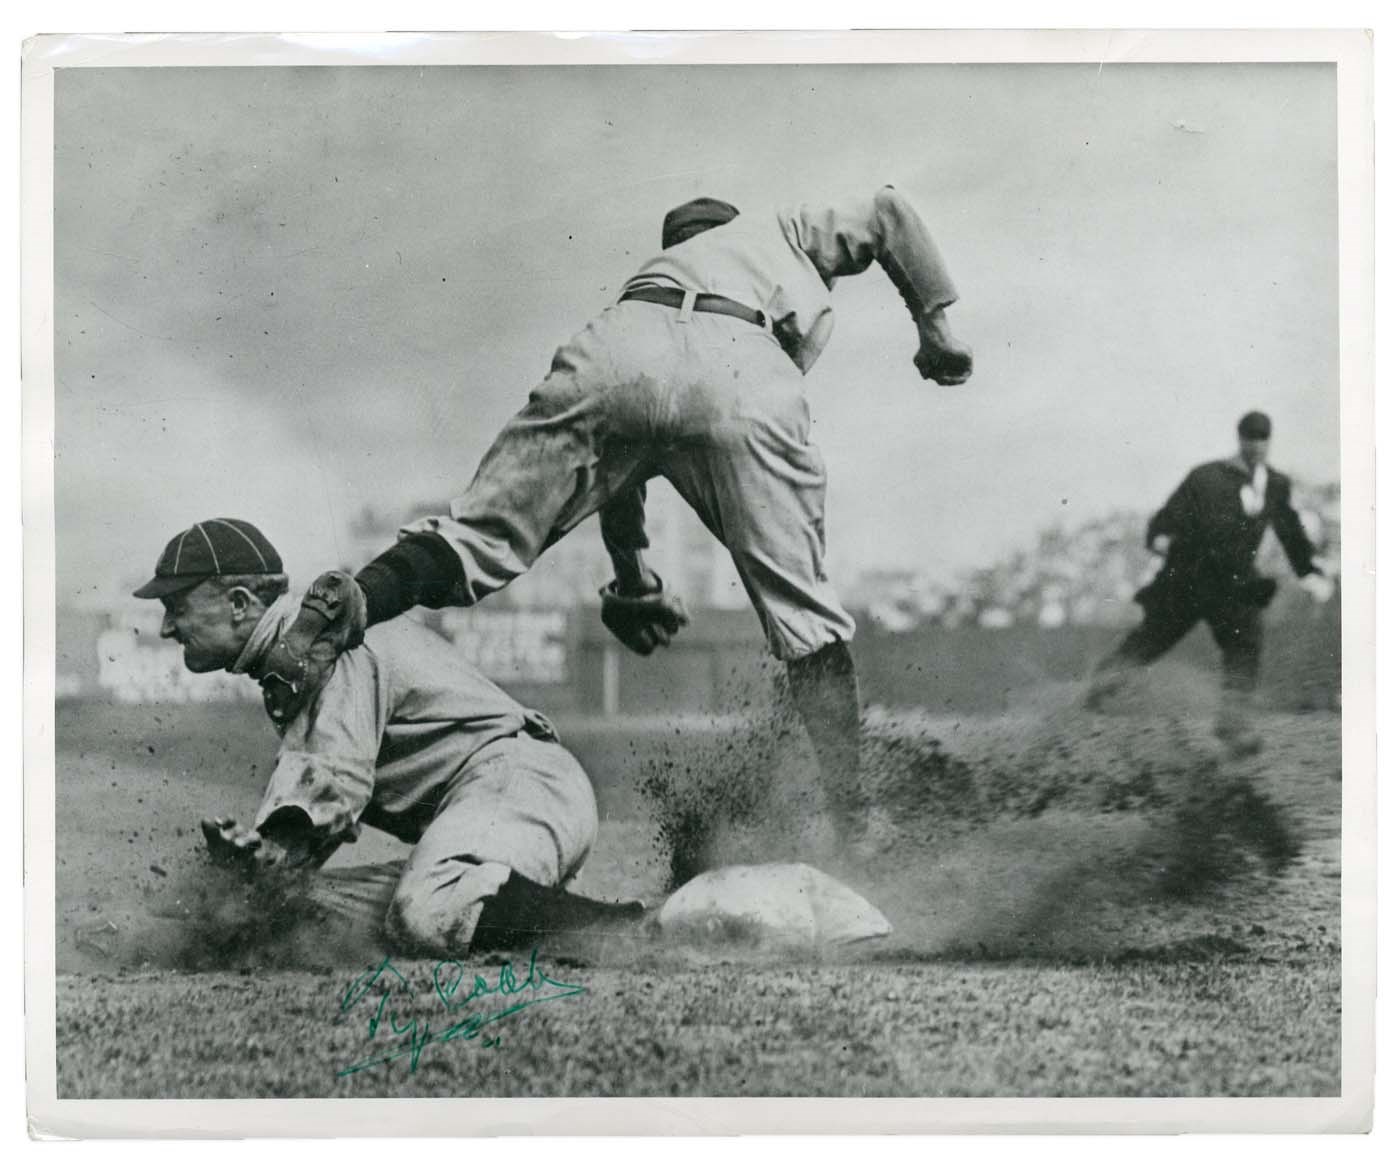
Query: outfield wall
point(566, 663)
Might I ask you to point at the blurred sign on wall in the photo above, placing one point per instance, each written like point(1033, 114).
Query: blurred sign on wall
point(529, 646)
point(135, 665)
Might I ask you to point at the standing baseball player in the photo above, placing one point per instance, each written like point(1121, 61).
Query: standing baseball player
point(694, 375)
point(1208, 533)
point(404, 735)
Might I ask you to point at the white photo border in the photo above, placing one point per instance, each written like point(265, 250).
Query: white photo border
point(1352, 53)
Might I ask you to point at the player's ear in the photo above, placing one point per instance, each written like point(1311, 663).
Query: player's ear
point(241, 602)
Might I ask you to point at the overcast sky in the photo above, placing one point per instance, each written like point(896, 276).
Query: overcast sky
point(286, 293)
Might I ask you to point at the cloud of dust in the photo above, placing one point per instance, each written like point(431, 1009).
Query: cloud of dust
point(1045, 831)
point(209, 918)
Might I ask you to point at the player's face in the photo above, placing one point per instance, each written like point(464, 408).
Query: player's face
point(202, 620)
point(1254, 450)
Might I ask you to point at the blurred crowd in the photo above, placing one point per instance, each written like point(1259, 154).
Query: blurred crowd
point(1085, 575)
point(1081, 576)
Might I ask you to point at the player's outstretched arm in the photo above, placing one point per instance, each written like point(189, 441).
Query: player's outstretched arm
point(287, 841)
point(843, 241)
point(941, 356)
point(912, 261)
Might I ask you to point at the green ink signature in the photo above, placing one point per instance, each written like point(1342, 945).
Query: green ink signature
point(387, 983)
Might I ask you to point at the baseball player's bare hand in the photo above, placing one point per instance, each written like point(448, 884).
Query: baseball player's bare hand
point(941, 356)
point(1161, 544)
point(233, 845)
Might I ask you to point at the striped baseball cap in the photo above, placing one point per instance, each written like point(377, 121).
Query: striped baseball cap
point(221, 545)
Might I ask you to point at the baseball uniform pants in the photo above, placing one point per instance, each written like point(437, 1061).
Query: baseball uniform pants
point(1237, 629)
point(709, 402)
point(520, 804)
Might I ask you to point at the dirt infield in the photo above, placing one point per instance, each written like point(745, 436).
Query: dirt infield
point(1084, 905)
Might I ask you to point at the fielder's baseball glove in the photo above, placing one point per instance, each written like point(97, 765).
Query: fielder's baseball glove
point(332, 619)
point(642, 622)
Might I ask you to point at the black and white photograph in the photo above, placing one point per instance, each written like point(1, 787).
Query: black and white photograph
point(746, 577)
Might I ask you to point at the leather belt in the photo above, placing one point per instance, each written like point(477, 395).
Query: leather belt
point(704, 302)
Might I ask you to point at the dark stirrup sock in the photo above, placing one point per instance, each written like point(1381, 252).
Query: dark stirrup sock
point(827, 694)
point(418, 570)
point(522, 911)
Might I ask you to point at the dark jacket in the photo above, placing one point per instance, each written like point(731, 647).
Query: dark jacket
point(1214, 541)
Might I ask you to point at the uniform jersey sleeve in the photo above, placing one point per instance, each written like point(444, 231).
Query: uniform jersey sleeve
point(325, 767)
point(842, 241)
point(1291, 535)
point(1176, 517)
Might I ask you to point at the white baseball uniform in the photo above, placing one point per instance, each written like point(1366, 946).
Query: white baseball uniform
point(711, 402)
point(407, 736)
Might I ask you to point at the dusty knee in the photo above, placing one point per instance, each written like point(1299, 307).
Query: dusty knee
point(416, 927)
point(435, 912)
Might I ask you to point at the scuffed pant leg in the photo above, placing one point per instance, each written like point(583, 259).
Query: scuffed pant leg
point(434, 913)
point(521, 804)
point(745, 464)
point(556, 462)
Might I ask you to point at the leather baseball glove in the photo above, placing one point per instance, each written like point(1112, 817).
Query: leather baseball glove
point(332, 619)
point(641, 622)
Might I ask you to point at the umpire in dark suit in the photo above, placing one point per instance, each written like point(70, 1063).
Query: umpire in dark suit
point(1209, 532)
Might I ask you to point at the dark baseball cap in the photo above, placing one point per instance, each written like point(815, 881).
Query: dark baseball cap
point(684, 221)
point(1255, 426)
point(221, 545)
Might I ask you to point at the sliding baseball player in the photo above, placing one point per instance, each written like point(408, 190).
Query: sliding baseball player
point(405, 736)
